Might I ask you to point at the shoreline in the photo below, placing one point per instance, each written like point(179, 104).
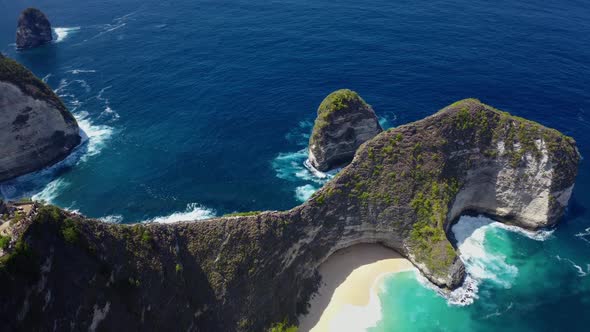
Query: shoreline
point(348, 294)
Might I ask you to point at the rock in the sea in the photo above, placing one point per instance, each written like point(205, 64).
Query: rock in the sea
point(344, 122)
point(36, 129)
point(403, 190)
point(33, 29)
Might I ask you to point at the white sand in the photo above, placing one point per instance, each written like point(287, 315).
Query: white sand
point(347, 299)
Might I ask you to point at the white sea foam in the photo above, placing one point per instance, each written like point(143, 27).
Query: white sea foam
point(581, 272)
point(108, 111)
point(50, 191)
point(114, 219)
point(80, 71)
point(95, 135)
point(193, 212)
point(43, 184)
point(303, 193)
point(540, 235)
point(480, 265)
point(293, 167)
point(585, 235)
point(63, 32)
point(115, 24)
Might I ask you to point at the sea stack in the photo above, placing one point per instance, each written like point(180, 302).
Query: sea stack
point(344, 122)
point(33, 29)
point(36, 129)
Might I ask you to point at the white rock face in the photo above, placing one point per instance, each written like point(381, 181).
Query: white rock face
point(520, 195)
point(33, 133)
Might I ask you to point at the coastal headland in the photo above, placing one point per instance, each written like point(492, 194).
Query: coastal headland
point(248, 272)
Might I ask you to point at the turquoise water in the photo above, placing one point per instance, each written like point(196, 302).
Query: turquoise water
point(524, 283)
point(199, 108)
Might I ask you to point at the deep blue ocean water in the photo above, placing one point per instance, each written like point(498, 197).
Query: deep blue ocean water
point(199, 108)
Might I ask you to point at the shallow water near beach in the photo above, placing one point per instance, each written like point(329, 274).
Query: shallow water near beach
point(198, 108)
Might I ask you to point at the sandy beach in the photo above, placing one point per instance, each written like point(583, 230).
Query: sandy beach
point(347, 299)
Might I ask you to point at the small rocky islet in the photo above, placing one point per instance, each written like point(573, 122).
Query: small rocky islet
point(403, 189)
point(344, 122)
point(33, 29)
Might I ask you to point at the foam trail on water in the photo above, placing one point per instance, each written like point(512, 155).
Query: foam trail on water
point(114, 219)
point(193, 212)
point(540, 235)
point(95, 135)
point(63, 32)
point(80, 71)
point(108, 111)
point(585, 235)
point(581, 272)
point(50, 191)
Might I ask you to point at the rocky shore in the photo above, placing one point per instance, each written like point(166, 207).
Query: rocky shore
point(403, 189)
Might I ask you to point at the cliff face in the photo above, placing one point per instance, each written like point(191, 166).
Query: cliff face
point(33, 29)
point(36, 130)
point(344, 122)
point(403, 189)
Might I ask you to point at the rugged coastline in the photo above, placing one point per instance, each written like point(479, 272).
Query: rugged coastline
point(402, 190)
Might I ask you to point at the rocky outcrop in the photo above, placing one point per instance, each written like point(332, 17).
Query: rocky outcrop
point(36, 129)
point(242, 273)
point(33, 29)
point(344, 122)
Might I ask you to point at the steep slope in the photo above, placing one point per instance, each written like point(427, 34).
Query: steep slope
point(36, 129)
point(403, 189)
point(344, 122)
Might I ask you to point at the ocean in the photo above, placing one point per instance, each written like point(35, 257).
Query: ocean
point(195, 109)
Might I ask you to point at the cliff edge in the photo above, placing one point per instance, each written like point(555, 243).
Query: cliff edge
point(36, 129)
point(403, 189)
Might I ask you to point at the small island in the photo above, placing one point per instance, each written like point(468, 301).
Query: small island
point(344, 122)
point(33, 29)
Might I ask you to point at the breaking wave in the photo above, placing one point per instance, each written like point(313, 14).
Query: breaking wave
point(46, 184)
point(62, 33)
point(480, 263)
point(192, 212)
point(303, 193)
point(292, 166)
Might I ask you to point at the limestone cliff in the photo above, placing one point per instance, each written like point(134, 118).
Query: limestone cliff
point(344, 122)
point(403, 189)
point(33, 29)
point(36, 129)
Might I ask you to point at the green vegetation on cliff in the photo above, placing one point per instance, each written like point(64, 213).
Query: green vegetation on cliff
point(242, 214)
point(252, 270)
point(337, 101)
point(15, 73)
